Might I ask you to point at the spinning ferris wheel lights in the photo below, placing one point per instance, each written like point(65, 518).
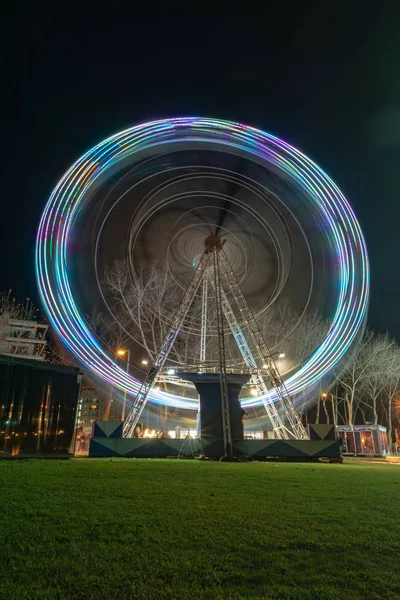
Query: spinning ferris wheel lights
point(72, 196)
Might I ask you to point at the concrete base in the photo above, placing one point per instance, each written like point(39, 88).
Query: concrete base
point(208, 386)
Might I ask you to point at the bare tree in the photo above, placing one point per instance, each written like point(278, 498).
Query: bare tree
point(366, 376)
point(11, 309)
point(376, 378)
point(145, 306)
point(353, 378)
point(391, 390)
point(297, 335)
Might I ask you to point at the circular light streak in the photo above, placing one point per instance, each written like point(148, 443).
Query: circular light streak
point(72, 192)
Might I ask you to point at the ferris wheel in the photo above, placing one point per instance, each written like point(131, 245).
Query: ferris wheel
point(243, 224)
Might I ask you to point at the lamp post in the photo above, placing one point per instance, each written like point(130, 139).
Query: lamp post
point(122, 352)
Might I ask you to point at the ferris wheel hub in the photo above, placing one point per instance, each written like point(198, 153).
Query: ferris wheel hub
point(214, 241)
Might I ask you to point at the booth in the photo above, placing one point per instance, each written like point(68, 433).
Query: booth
point(363, 440)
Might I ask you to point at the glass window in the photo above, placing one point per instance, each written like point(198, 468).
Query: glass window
point(357, 435)
point(350, 442)
point(384, 441)
point(367, 442)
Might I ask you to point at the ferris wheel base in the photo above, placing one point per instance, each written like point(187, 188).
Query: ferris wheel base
point(103, 444)
point(211, 426)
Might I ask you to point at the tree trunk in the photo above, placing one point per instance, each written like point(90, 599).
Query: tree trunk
point(326, 412)
point(349, 410)
point(334, 410)
point(390, 423)
point(375, 410)
point(107, 405)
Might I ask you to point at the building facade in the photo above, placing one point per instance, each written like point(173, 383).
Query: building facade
point(23, 338)
point(38, 403)
point(92, 404)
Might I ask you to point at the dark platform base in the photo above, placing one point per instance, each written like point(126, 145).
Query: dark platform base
point(256, 449)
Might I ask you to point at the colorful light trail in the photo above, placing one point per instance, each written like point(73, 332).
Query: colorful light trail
point(72, 192)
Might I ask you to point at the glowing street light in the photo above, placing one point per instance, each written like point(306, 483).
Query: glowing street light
point(145, 362)
point(281, 355)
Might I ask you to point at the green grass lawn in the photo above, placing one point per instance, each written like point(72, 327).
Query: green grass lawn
point(158, 529)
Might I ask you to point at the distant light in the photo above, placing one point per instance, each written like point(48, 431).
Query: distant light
point(145, 362)
point(253, 392)
point(282, 355)
point(265, 366)
point(324, 395)
point(121, 352)
point(171, 372)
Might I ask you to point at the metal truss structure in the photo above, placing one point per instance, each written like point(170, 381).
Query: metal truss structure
point(296, 428)
point(263, 377)
point(162, 355)
point(257, 378)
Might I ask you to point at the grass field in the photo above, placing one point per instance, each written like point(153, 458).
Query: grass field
point(158, 529)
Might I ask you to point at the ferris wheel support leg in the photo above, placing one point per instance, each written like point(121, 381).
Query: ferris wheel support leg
point(226, 417)
point(162, 355)
point(204, 306)
point(257, 379)
point(297, 429)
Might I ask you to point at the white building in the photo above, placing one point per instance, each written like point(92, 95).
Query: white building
point(23, 338)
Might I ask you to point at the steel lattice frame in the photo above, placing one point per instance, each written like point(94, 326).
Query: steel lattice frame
point(214, 248)
point(162, 355)
point(72, 192)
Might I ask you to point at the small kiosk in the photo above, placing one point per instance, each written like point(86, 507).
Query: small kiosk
point(363, 440)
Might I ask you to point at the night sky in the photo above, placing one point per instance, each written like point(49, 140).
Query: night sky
point(325, 79)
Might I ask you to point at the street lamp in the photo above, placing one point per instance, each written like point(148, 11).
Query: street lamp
point(122, 352)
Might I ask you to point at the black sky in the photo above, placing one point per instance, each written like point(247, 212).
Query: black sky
point(324, 76)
